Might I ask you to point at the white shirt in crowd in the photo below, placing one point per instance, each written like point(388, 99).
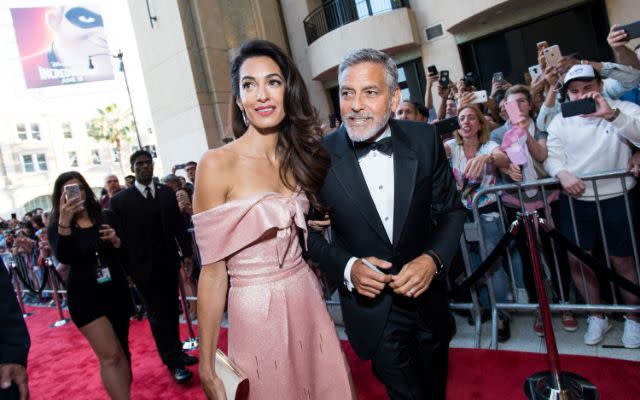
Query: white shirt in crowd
point(143, 189)
point(377, 169)
point(594, 145)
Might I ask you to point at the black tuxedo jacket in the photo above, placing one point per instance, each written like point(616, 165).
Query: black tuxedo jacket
point(127, 206)
point(428, 215)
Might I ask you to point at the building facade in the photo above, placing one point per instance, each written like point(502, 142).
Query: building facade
point(186, 47)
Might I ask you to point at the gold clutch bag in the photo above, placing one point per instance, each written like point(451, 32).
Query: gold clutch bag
point(236, 384)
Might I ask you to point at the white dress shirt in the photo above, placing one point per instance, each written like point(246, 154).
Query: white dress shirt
point(143, 189)
point(377, 169)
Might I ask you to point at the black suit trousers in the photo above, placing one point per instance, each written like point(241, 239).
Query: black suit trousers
point(410, 360)
point(160, 295)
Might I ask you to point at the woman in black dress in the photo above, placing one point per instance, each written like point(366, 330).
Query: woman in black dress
point(81, 236)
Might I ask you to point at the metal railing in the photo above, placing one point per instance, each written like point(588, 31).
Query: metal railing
point(561, 301)
point(336, 13)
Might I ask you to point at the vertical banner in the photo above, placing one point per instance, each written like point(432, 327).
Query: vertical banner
point(55, 44)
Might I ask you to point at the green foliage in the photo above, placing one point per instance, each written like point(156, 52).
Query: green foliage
point(112, 124)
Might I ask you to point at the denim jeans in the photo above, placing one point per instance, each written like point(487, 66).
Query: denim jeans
point(492, 233)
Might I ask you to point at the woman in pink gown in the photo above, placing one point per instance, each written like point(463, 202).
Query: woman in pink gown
point(249, 217)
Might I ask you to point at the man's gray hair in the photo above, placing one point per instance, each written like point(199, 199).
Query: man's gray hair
point(373, 56)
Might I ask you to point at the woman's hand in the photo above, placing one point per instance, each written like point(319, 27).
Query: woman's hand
point(68, 209)
point(212, 385)
point(319, 225)
point(513, 171)
point(107, 233)
point(475, 166)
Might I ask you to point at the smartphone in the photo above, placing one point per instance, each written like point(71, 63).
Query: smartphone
point(513, 111)
point(179, 166)
point(552, 55)
point(535, 71)
point(632, 30)
point(578, 107)
point(72, 191)
point(432, 70)
point(498, 77)
point(183, 196)
point(447, 125)
point(444, 79)
point(14, 216)
point(480, 97)
point(542, 45)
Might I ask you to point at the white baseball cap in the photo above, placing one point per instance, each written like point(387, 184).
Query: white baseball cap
point(583, 72)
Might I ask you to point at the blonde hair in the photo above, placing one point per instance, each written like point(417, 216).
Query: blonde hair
point(483, 132)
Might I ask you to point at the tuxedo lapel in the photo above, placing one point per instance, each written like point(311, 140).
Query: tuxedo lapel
point(405, 166)
point(346, 169)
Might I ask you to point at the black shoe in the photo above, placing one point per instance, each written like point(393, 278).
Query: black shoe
point(188, 360)
point(181, 375)
point(504, 330)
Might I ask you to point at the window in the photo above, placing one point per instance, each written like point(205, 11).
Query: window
point(34, 162)
point(35, 132)
point(95, 157)
point(72, 156)
point(115, 154)
point(66, 130)
point(42, 162)
point(151, 149)
point(22, 131)
point(27, 163)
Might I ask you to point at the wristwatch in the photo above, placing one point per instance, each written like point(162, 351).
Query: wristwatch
point(616, 112)
point(437, 260)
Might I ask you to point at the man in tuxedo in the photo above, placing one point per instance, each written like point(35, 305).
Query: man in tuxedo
point(394, 208)
point(14, 343)
point(152, 229)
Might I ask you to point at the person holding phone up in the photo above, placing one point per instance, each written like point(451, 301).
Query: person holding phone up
point(81, 236)
point(593, 143)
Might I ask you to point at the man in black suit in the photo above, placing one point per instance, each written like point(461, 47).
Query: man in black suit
point(393, 207)
point(152, 229)
point(14, 343)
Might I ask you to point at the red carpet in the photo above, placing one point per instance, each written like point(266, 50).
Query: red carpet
point(62, 366)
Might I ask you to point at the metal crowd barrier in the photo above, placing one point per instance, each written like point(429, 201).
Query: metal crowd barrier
point(553, 265)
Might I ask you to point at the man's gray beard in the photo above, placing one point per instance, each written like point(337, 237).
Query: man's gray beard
point(374, 130)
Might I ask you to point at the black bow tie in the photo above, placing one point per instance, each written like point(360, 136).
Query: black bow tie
point(382, 145)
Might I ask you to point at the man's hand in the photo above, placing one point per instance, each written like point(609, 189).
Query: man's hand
point(617, 37)
point(368, 282)
point(432, 79)
point(571, 184)
point(17, 374)
point(551, 76)
point(603, 109)
point(634, 164)
point(466, 98)
point(415, 277)
point(443, 92)
point(565, 64)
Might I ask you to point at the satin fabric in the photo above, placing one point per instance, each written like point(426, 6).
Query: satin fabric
point(280, 334)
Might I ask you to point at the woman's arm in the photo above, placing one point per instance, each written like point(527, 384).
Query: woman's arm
point(537, 148)
point(211, 191)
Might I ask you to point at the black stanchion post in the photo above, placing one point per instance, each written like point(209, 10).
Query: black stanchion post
point(192, 342)
point(553, 384)
point(18, 289)
point(56, 296)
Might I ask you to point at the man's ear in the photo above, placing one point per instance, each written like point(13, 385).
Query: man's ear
point(395, 100)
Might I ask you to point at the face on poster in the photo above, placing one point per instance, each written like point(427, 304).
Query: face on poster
point(55, 44)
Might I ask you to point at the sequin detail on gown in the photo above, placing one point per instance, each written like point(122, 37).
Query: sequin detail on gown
point(280, 333)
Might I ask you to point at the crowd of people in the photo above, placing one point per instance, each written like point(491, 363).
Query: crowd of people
point(393, 197)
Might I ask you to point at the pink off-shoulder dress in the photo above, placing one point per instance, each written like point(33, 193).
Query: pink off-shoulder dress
point(280, 334)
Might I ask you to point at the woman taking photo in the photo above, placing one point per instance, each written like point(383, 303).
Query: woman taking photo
point(249, 217)
point(474, 160)
point(97, 291)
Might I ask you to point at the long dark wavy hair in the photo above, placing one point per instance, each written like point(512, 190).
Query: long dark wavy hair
point(299, 147)
point(90, 203)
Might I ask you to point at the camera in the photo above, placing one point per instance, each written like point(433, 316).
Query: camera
point(469, 79)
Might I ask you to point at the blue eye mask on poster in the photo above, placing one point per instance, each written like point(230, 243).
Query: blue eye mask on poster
point(83, 18)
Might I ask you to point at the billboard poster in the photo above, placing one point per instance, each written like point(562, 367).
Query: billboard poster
point(55, 44)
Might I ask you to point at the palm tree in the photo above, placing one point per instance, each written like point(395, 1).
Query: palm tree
point(112, 125)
